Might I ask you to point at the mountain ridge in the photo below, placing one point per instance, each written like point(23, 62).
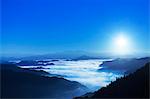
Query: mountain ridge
point(135, 85)
point(17, 83)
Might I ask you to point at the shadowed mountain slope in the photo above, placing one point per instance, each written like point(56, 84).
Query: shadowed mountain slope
point(20, 83)
point(125, 64)
point(135, 85)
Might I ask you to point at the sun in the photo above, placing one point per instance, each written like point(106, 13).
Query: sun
point(121, 45)
point(121, 41)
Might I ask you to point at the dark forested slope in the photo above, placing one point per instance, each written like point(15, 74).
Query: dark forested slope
point(135, 85)
point(20, 83)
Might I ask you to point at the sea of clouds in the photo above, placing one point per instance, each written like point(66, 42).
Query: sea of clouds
point(83, 71)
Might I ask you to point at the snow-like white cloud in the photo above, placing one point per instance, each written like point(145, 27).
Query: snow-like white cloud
point(84, 71)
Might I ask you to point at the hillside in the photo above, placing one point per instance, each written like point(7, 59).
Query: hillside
point(20, 83)
point(135, 85)
point(125, 64)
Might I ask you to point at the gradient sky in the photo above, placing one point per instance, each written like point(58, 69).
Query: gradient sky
point(47, 26)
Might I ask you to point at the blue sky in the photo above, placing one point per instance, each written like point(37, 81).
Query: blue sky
point(47, 26)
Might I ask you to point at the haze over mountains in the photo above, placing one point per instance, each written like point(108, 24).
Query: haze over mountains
point(35, 81)
point(70, 55)
point(125, 65)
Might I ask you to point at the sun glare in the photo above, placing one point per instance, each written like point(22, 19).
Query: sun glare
point(121, 41)
point(121, 45)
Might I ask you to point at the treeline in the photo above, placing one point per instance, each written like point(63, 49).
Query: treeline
point(135, 85)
